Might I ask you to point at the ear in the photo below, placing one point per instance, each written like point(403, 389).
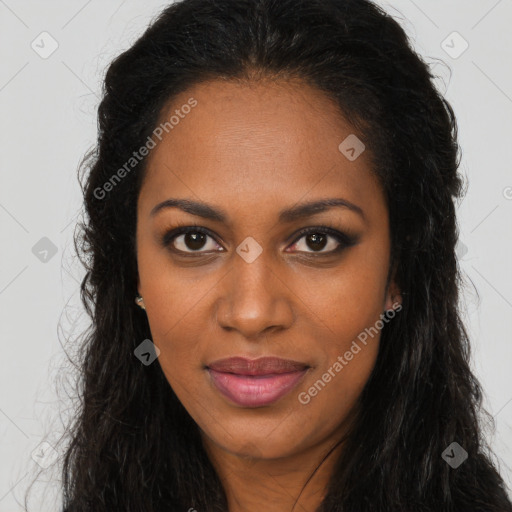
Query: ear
point(393, 293)
point(393, 297)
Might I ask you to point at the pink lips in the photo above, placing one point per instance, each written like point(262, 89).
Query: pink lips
point(255, 383)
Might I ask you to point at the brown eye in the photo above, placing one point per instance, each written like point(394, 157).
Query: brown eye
point(319, 238)
point(316, 241)
point(194, 241)
point(190, 239)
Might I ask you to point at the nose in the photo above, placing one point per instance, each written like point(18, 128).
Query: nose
point(254, 300)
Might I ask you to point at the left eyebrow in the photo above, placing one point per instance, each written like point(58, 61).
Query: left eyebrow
point(287, 215)
point(308, 209)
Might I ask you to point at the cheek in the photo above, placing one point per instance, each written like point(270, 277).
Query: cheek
point(362, 280)
point(174, 305)
point(352, 310)
point(333, 389)
point(350, 297)
point(177, 331)
point(173, 295)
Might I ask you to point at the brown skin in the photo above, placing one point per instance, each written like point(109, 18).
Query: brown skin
point(252, 150)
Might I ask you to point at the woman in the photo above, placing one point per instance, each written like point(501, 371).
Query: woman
point(272, 278)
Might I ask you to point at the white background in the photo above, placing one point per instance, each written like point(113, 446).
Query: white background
point(48, 121)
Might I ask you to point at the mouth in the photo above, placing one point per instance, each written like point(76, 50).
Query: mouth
point(256, 383)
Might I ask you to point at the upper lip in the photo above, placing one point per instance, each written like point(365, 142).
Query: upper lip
point(261, 366)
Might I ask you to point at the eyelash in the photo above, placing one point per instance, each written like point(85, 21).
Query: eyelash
point(345, 240)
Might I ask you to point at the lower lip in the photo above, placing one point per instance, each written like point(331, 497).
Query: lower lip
point(255, 391)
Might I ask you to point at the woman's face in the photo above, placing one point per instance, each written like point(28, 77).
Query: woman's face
point(252, 286)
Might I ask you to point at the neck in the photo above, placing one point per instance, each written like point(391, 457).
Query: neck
point(284, 484)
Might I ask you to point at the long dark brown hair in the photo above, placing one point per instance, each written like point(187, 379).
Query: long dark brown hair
point(133, 447)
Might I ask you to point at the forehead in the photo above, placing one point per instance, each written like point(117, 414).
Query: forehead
point(255, 145)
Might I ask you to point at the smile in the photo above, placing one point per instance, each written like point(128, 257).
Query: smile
point(255, 390)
